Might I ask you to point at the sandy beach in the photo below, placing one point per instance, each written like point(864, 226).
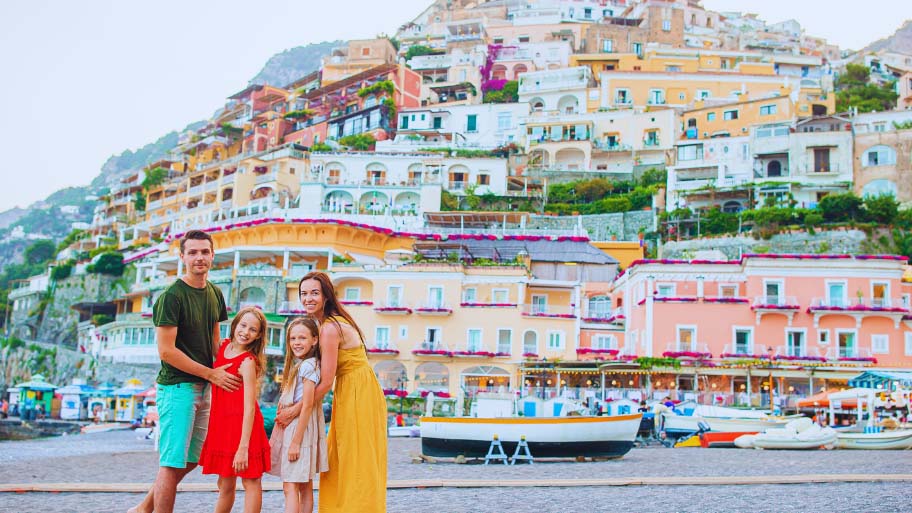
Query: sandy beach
point(121, 457)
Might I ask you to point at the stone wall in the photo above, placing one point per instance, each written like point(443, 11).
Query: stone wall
point(60, 320)
point(601, 227)
point(837, 241)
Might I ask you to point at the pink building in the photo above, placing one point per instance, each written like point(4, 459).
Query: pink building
point(802, 321)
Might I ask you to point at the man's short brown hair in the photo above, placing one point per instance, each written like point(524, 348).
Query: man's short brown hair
point(196, 235)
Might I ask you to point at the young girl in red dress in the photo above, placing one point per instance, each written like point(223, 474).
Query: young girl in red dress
point(236, 443)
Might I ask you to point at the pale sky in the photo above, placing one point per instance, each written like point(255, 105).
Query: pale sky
point(84, 80)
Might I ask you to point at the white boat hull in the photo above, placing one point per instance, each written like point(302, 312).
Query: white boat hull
point(686, 424)
point(885, 440)
point(548, 437)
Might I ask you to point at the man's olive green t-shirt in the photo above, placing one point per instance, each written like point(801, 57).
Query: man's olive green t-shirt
point(195, 312)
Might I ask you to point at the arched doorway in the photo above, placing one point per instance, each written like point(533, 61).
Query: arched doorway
point(432, 376)
point(391, 375)
point(484, 378)
point(252, 296)
point(774, 168)
point(530, 343)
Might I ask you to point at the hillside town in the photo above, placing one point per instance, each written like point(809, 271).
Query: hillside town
point(493, 190)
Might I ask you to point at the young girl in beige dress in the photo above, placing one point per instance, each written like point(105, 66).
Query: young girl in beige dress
point(299, 449)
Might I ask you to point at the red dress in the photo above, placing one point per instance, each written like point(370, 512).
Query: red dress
point(225, 424)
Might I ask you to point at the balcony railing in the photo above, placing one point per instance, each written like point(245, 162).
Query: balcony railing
point(861, 304)
point(548, 311)
point(798, 352)
point(687, 350)
point(433, 308)
point(382, 347)
point(394, 308)
point(745, 351)
point(429, 348)
point(775, 302)
point(849, 353)
point(290, 308)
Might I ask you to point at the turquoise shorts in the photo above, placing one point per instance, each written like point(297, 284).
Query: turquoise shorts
point(183, 419)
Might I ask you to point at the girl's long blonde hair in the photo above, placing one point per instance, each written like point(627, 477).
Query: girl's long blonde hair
point(258, 347)
point(291, 366)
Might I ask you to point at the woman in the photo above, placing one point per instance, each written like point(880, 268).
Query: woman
point(356, 480)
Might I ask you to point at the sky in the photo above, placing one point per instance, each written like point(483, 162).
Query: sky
point(83, 81)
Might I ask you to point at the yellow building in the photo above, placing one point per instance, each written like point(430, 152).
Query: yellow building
point(712, 119)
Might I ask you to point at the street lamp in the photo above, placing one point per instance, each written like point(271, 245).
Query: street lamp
point(403, 379)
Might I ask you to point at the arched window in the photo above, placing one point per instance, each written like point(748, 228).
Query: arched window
point(600, 307)
point(774, 168)
point(879, 188)
point(878, 156)
point(252, 296)
point(530, 343)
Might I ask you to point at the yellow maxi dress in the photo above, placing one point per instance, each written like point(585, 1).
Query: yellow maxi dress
point(356, 480)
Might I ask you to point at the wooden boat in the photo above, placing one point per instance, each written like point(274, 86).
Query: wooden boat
point(885, 440)
point(721, 439)
point(676, 425)
point(548, 437)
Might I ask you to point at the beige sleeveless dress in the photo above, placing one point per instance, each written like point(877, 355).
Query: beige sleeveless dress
point(313, 457)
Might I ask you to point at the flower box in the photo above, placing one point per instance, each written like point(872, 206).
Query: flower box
point(793, 358)
point(856, 308)
point(396, 310)
point(549, 315)
point(487, 305)
point(729, 300)
point(743, 356)
point(771, 306)
point(592, 350)
point(433, 311)
point(687, 354)
point(357, 303)
point(604, 320)
point(627, 357)
point(479, 354)
point(670, 299)
point(441, 395)
point(376, 350)
point(395, 393)
point(431, 352)
point(861, 359)
point(530, 355)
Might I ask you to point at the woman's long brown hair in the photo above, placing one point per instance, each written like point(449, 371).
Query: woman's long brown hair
point(331, 305)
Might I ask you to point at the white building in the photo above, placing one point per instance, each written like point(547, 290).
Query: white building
point(564, 91)
point(484, 126)
point(711, 172)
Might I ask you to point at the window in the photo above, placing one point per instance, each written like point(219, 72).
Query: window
point(846, 344)
point(687, 338)
point(469, 295)
point(438, 122)
point(823, 337)
point(274, 337)
point(836, 294)
point(600, 307)
point(909, 344)
point(403, 122)
point(702, 94)
point(484, 179)
point(435, 297)
point(604, 342)
point(690, 152)
point(403, 332)
point(607, 46)
point(539, 304)
point(523, 39)
point(504, 121)
point(500, 296)
point(472, 123)
point(710, 116)
point(382, 337)
point(622, 96)
point(638, 49)
point(666, 25)
point(673, 68)
point(530, 342)
point(767, 110)
point(730, 114)
point(498, 40)
point(394, 296)
point(555, 340)
point(880, 344)
point(656, 97)
point(365, 52)
point(432, 341)
point(879, 156)
point(504, 341)
point(880, 294)
point(352, 293)
point(744, 341)
point(821, 160)
point(665, 290)
point(473, 340)
point(774, 293)
point(728, 290)
point(794, 342)
point(587, 13)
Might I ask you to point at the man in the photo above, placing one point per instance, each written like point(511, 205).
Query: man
point(186, 318)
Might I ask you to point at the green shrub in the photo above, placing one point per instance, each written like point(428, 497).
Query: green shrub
point(882, 208)
point(108, 263)
point(840, 207)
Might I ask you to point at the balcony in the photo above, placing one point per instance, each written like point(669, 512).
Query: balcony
point(265, 178)
point(687, 350)
point(382, 348)
point(392, 309)
point(548, 311)
point(859, 308)
point(291, 308)
point(798, 353)
point(615, 316)
point(433, 308)
point(479, 352)
point(745, 352)
point(775, 304)
point(611, 148)
point(432, 349)
point(441, 61)
point(850, 354)
point(651, 143)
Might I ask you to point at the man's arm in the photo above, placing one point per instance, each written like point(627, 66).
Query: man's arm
point(170, 354)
